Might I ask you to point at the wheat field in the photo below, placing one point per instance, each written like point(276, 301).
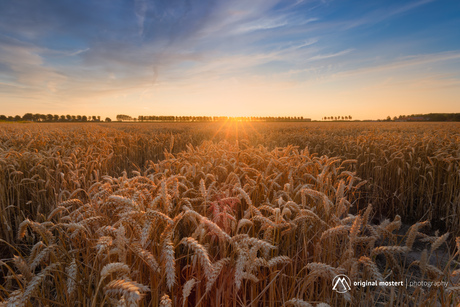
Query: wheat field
point(229, 214)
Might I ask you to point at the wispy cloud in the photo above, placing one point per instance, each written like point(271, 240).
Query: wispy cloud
point(140, 8)
point(262, 24)
point(78, 52)
point(404, 62)
point(381, 14)
point(330, 55)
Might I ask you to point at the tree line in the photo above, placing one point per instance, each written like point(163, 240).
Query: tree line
point(37, 117)
point(431, 117)
point(142, 118)
point(53, 118)
point(337, 117)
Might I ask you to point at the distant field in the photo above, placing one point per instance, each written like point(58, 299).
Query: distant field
point(228, 214)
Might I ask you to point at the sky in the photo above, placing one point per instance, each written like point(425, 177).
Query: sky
point(367, 59)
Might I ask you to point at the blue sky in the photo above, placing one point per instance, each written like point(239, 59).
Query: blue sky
point(368, 59)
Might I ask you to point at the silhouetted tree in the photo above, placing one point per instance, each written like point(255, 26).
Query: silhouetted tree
point(121, 117)
point(28, 116)
point(438, 117)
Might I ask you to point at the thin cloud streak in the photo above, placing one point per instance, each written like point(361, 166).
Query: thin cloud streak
point(413, 60)
point(381, 15)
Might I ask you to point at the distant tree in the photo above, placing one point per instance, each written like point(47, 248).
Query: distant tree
point(343, 118)
point(55, 118)
point(68, 117)
point(388, 118)
point(74, 118)
point(94, 118)
point(49, 117)
point(62, 118)
point(42, 117)
point(98, 118)
point(349, 117)
point(28, 116)
point(108, 120)
point(79, 118)
point(121, 117)
point(84, 118)
point(3, 117)
point(10, 118)
point(36, 117)
point(439, 117)
point(17, 118)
